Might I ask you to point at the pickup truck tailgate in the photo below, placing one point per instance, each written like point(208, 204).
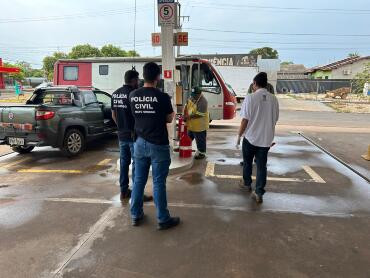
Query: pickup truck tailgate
point(17, 120)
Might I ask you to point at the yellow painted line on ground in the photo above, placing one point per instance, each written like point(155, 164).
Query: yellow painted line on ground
point(315, 176)
point(8, 165)
point(253, 177)
point(50, 171)
point(57, 171)
point(104, 162)
point(80, 200)
point(210, 172)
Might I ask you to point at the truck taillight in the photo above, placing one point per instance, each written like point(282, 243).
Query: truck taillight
point(44, 115)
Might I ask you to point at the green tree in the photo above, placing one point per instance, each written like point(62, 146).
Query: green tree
point(25, 71)
point(286, 63)
point(36, 73)
point(353, 54)
point(110, 50)
point(84, 51)
point(360, 79)
point(49, 61)
point(265, 52)
point(28, 71)
point(132, 53)
point(19, 76)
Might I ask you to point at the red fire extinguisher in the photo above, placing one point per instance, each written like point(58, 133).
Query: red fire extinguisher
point(181, 127)
point(185, 141)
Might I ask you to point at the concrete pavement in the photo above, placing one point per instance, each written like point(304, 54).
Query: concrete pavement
point(61, 217)
point(72, 225)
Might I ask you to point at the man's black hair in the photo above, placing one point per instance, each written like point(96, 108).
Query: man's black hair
point(131, 75)
point(151, 72)
point(261, 79)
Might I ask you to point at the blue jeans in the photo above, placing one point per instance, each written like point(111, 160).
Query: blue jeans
point(158, 156)
point(126, 155)
point(260, 153)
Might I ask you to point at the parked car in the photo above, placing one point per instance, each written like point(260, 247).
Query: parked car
point(62, 117)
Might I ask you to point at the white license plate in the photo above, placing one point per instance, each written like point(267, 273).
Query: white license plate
point(16, 141)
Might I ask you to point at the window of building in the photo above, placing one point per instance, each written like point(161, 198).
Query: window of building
point(70, 73)
point(326, 77)
point(103, 70)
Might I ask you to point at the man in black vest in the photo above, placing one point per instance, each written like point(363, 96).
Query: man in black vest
point(121, 114)
point(152, 110)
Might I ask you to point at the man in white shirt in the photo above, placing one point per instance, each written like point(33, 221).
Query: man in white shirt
point(260, 113)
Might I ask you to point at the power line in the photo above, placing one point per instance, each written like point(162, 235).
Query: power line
point(296, 9)
point(279, 48)
point(277, 33)
point(275, 42)
point(72, 16)
point(135, 29)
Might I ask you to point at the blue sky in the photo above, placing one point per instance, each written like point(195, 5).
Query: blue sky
point(29, 30)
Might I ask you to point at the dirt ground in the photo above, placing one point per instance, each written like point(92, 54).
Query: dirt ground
point(352, 104)
point(349, 107)
point(314, 96)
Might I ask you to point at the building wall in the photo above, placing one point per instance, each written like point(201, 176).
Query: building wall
point(291, 75)
point(271, 67)
point(115, 78)
point(84, 74)
point(354, 68)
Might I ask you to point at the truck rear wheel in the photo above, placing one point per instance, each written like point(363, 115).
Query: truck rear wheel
point(73, 143)
point(23, 150)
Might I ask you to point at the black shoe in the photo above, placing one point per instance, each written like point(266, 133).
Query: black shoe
point(257, 198)
point(137, 221)
point(125, 195)
point(147, 198)
point(173, 222)
point(244, 186)
point(200, 156)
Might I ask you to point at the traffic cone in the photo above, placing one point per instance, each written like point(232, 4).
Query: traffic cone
point(185, 145)
point(366, 156)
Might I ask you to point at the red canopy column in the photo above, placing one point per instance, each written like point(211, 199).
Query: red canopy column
point(5, 70)
point(2, 85)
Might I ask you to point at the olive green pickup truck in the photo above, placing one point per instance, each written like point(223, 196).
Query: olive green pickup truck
point(62, 117)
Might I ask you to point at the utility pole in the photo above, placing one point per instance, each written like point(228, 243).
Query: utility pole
point(180, 20)
point(179, 29)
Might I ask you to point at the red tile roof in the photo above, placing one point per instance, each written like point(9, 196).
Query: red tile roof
point(340, 63)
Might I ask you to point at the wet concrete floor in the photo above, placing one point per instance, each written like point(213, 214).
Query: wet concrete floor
point(62, 218)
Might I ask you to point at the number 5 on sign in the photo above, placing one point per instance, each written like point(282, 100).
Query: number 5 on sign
point(166, 12)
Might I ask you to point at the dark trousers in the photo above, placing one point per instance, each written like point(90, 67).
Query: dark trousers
point(260, 153)
point(200, 139)
point(126, 155)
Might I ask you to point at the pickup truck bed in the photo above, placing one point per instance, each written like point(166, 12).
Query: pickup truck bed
point(61, 117)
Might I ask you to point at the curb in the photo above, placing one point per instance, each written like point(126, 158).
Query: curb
point(186, 164)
